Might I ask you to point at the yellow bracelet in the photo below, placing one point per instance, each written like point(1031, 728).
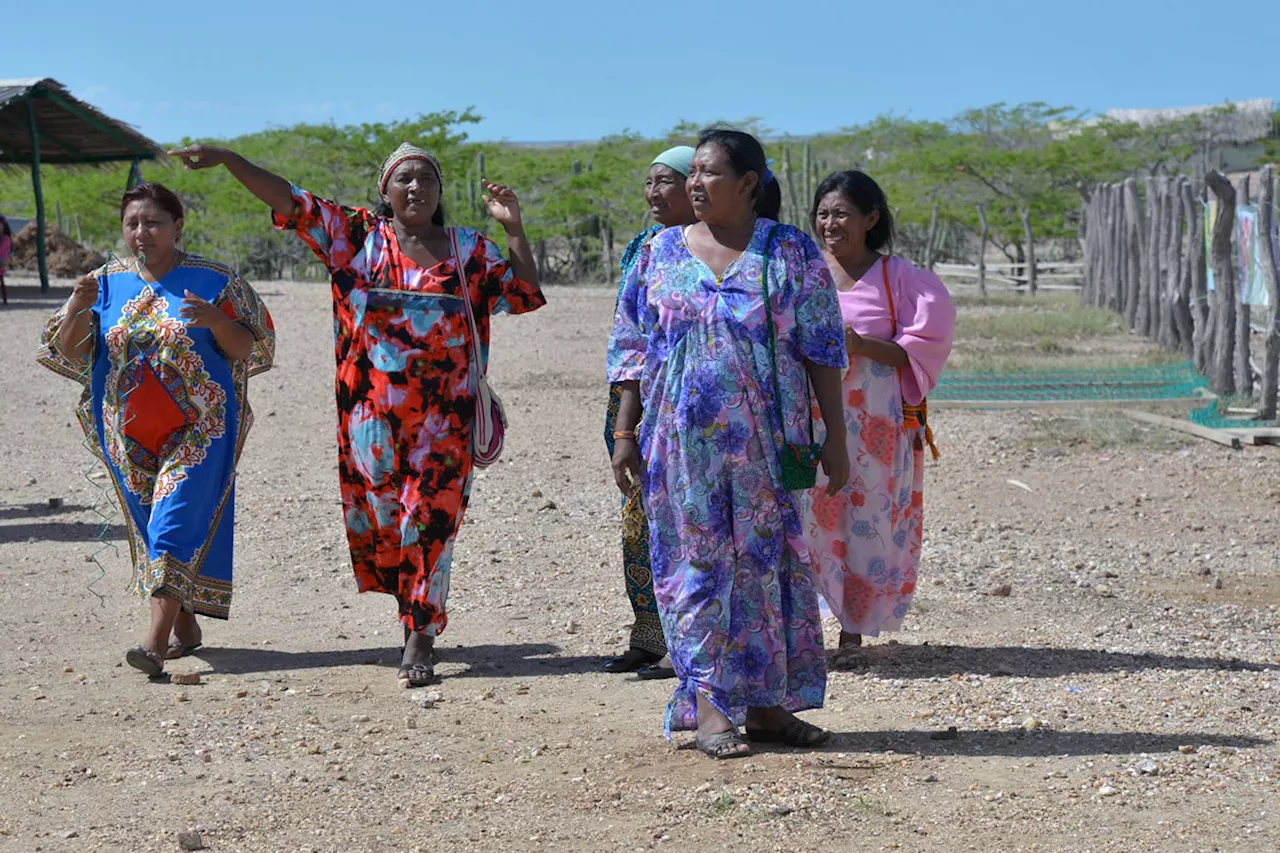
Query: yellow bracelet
point(625, 433)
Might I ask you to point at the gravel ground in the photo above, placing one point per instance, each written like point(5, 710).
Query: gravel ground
point(1092, 663)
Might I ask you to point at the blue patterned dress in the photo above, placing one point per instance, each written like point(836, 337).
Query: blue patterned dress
point(730, 567)
point(168, 414)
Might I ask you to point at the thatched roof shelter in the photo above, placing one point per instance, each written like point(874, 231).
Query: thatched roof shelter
point(40, 122)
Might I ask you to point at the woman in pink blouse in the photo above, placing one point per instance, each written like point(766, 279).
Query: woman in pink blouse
point(899, 321)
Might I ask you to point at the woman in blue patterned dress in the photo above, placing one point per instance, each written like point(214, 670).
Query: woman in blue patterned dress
point(691, 339)
point(664, 190)
point(164, 345)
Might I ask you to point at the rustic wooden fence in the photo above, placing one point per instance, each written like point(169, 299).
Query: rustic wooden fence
point(1147, 258)
point(1015, 278)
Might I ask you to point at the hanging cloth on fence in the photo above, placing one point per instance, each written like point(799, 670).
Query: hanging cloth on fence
point(1253, 286)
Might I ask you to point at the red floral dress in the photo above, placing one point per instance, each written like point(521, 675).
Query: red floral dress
point(405, 394)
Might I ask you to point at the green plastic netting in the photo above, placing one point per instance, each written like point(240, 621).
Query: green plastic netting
point(1110, 385)
point(1115, 384)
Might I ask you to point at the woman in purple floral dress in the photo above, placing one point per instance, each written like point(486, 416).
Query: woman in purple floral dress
point(691, 341)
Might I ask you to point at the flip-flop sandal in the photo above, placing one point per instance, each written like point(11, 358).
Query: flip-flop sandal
point(416, 675)
point(652, 672)
point(145, 660)
point(723, 745)
point(181, 650)
point(795, 733)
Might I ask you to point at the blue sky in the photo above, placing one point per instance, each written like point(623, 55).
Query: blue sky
point(568, 69)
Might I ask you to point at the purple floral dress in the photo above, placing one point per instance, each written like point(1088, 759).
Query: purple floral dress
point(730, 567)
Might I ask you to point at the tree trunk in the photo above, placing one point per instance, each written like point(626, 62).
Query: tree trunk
point(797, 214)
point(1271, 275)
point(1221, 372)
point(1030, 237)
point(929, 240)
point(606, 236)
point(808, 169)
point(1133, 255)
point(982, 251)
point(1199, 297)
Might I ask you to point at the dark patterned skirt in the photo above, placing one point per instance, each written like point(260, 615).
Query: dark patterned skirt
point(646, 632)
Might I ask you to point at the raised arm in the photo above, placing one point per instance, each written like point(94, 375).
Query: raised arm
point(504, 207)
point(271, 188)
point(75, 336)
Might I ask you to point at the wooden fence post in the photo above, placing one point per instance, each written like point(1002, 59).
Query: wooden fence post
point(1133, 255)
point(1271, 275)
point(1117, 269)
point(1181, 280)
point(1244, 326)
point(1123, 286)
point(1166, 296)
point(1222, 373)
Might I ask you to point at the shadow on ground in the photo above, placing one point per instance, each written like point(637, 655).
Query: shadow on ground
point(1035, 744)
point(490, 661)
point(929, 661)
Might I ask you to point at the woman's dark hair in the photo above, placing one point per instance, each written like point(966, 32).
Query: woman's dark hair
point(383, 209)
point(4, 227)
point(865, 194)
point(747, 155)
point(166, 198)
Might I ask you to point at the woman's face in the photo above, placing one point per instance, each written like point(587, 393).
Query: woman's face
point(664, 191)
point(718, 193)
point(413, 191)
point(150, 230)
point(841, 226)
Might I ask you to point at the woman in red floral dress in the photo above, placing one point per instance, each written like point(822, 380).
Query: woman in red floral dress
point(405, 392)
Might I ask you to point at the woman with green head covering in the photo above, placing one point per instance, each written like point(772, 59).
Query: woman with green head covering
point(669, 205)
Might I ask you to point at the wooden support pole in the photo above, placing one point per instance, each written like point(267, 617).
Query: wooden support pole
point(41, 262)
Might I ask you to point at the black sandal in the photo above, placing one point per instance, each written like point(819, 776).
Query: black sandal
point(723, 745)
point(632, 660)
point(145, 660)
point(653, 671)
point(795, 733)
